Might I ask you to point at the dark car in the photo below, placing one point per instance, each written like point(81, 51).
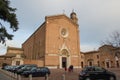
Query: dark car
point(17, 68)
point(25, 68)
point(8, 68)
point(37, 72)
point(96, 73)
point(12, 68)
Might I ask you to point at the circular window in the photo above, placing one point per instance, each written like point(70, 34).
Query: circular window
point(64, 32)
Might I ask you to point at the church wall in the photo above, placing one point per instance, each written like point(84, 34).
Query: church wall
point(28, 48)
point(54, 40)
point(34, 47)
point(75, 61)
point(52, 60)
point(39, 43)
point(47, 43)
point(39, 63)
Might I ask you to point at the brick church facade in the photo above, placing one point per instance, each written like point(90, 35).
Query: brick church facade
point(55, 44)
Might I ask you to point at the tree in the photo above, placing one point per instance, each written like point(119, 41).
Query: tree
point(7, 14)
point(114, 39)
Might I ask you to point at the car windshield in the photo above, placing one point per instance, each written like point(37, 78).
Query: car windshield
point(93, 68)
point(89, 68)
point(33, 68)
point(99, 69)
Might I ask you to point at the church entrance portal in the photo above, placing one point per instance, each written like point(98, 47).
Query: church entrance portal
point(64, 58)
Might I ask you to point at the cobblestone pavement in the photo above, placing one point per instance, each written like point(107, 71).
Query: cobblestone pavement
point(58, 74)
point(116, 71)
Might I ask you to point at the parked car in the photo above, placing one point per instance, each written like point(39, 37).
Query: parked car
point(37, 72)
point(12, 68)
point(26, 67)
point(9, 68)
point(17, 68)
point(4, 65)
point(96, 73)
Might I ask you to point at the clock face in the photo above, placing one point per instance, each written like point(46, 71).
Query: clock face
point(64, 32)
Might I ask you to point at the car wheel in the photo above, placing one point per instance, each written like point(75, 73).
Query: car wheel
point(111, 78)
point(87, 78)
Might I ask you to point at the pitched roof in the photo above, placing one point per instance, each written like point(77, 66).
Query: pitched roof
point(60, 16)
point(14, 48)
point(52, 17)
point(108, 47)
point(91, 52)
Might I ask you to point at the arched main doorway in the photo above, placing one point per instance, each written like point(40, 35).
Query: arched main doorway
point(65, 62)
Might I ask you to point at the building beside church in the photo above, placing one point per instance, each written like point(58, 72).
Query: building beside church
point(55, 44)
point(91, 58)
point(109, 56)
point(13, 56)
point(106, 56)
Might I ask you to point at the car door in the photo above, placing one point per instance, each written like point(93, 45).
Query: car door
point(92, 73)
point(100, 73)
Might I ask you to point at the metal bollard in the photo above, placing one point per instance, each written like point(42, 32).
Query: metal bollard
point(46, 77)
point(19, 77)
point(15, 75)
point(12, 74)
point(30, 77)
point(63, 77)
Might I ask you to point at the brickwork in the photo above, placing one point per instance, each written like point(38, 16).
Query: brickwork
point(105, 57)
point(108, 56)
point(38, 62)
point(12, 56)
point(91, 58)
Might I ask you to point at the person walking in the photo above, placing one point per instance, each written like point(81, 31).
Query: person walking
point(70, 68)
point(65, 68)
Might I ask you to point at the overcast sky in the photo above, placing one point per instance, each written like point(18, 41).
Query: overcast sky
point(97, 19)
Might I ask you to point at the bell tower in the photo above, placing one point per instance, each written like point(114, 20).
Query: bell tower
point(73, 17)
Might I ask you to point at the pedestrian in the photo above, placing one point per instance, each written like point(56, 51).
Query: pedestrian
point(65, 68)
point(70, 68)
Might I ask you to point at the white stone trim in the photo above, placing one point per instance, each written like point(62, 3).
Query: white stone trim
point(52, 67)
point(74, 56)
point(52, 54)
point(77, 66)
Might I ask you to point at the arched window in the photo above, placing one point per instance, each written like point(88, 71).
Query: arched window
point(64, 52)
